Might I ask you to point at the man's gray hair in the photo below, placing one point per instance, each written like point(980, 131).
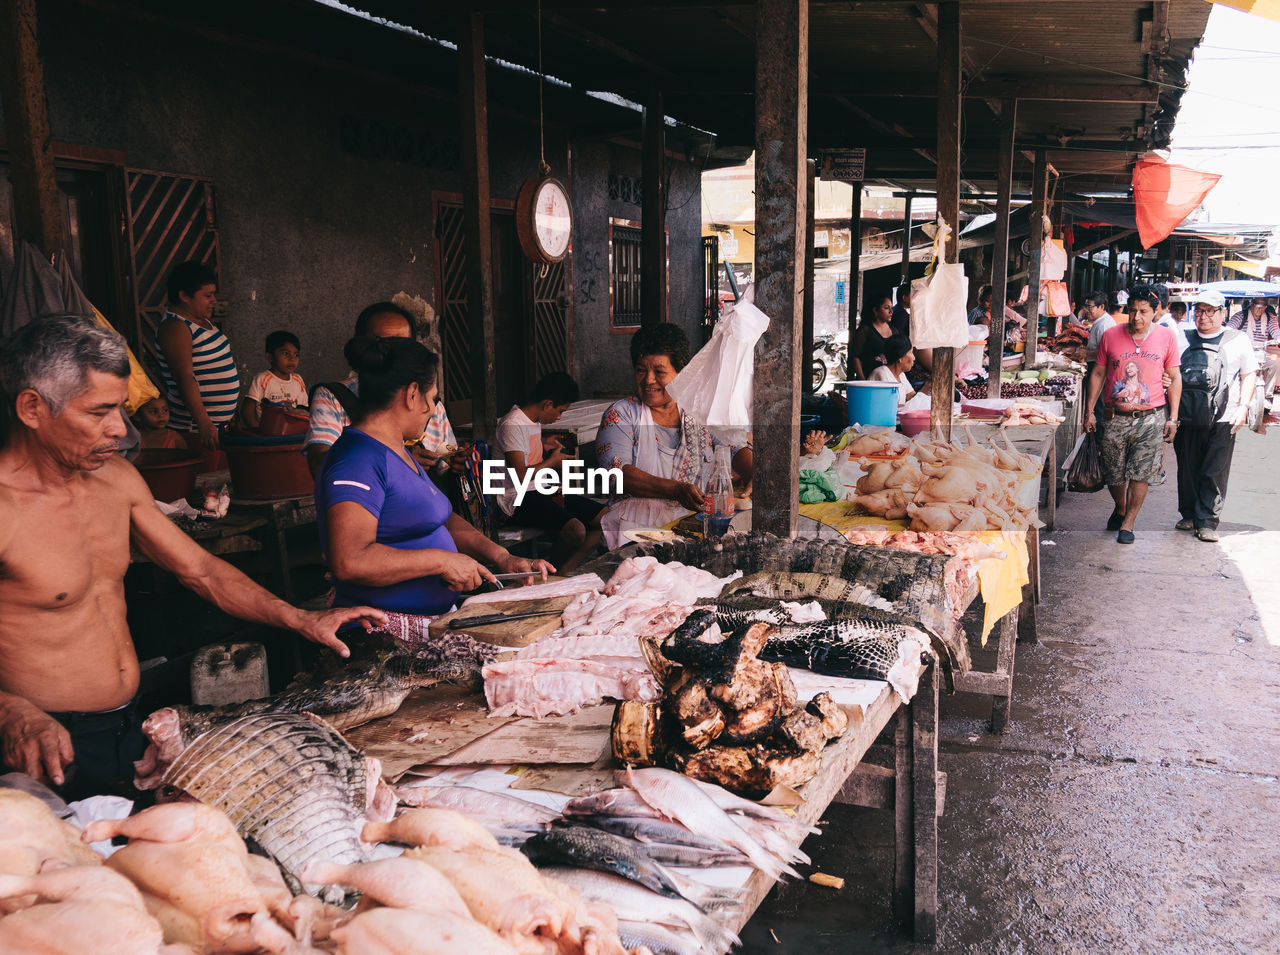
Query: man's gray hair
point(53, 356)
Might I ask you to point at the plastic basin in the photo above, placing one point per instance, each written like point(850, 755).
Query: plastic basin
point(170, 473)
point(278, 420)
point(264, 467)
point(912, 423)
point(873, 402)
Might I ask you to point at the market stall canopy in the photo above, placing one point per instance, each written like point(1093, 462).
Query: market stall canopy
point(1244, 288)
point(1095, 99)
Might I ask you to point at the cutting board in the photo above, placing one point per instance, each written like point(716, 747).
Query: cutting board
point(514, 633)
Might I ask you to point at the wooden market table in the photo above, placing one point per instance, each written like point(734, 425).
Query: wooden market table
point(912, 787)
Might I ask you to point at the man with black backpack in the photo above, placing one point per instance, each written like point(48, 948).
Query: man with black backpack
point(1219, 371)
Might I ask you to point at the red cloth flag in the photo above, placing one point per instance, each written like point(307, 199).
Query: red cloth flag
point(1164, 195)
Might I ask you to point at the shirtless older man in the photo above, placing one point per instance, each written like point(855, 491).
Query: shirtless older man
point(69, 506)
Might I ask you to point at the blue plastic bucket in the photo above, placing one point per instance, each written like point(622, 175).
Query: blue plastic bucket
point(873, 402)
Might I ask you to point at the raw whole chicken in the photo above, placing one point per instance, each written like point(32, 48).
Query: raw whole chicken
point(431, 827)
point(389, 931)
point(890, 503)
point(903, 473)
point(402, 883)
point(194, 874)
point(880, 443)
point(953, 517)
point(30, 834)
point(72, 910)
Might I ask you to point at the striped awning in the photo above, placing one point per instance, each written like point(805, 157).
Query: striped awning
point(1262, 8)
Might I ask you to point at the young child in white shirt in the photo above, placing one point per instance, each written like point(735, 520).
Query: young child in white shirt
point(573, 518)
point(280, 383)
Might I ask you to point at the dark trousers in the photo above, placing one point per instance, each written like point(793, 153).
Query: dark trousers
point(105, 746)
point(1204, 463)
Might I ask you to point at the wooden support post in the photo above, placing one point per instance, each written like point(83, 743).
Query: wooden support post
point(903, 822)
point(36, 207)
point(473, 103)
point(1071, 262)
point(653, 214)
point(1000, 248)
point(855, 260)
point(1092, 282)
point(949, 57)
point(906, 239)
point(806, 332)
point(1039, 192)
point(1113, 267)
point(924, 804)
point(782, 126)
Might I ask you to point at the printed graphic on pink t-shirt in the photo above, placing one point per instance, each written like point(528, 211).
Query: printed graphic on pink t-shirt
point(1135, 370)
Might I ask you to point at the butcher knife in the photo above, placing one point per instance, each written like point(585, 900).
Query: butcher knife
point(491, 618)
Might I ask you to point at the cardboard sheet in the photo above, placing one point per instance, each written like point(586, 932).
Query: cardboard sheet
point(578, 739)
point(429, 725)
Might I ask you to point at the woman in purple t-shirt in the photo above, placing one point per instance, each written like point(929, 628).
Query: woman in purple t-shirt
point(390, 536)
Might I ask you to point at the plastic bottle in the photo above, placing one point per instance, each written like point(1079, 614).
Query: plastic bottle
point(718, 508)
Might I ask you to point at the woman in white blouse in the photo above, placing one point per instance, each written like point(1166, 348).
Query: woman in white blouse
point(900, 357)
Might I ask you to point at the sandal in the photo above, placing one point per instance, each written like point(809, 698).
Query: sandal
point(1207, 534)
point(1184, 525)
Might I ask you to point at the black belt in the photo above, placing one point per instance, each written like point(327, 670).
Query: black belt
point(1140, 413)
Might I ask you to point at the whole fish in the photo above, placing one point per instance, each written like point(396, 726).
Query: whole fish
point(586, 848)
point(610, 802)
point(495, 810)
point(656, 828)
point(658, 939)
point(678, 797)
point(855, 647)
point(731, 802)
point(632, 902)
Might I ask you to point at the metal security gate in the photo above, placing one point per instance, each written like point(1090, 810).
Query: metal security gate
point(544, 307)
point(171, 220)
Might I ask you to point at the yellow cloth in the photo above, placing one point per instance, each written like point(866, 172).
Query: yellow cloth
point(141, 390)
point(999, 581)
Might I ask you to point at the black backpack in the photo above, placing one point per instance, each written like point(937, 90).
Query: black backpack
point(1205, 389)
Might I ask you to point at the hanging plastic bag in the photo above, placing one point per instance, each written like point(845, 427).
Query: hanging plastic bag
point(716, 386)
point(1084, 471)
point(1057, 301)
point(1053, 259)
point(939, 317)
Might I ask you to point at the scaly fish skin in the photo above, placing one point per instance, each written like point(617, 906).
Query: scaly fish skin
point(857, 648)
point(587, 848)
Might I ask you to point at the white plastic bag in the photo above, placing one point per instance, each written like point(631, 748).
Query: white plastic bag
point(716, 386)
point(1053, 261)
point(939, 317)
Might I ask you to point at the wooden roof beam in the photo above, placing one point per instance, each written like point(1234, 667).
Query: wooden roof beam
point(923, 87)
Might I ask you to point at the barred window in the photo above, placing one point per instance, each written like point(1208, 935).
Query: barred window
point(624, 275)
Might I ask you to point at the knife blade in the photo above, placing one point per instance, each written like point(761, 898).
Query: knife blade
point(485, 620)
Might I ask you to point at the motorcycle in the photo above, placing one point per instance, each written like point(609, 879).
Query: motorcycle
point(830, 353)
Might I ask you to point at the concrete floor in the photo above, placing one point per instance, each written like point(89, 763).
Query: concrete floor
point(1133, 804)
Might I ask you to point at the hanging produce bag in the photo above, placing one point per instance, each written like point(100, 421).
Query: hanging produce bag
point(939, 313)
point(1084, 471)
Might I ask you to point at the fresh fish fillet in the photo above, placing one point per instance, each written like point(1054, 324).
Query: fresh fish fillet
point(575, 648)
point(678, 797)
point(290, 783)
point(568, 587)
point(541, 688)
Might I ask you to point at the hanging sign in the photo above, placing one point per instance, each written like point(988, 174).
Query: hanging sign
point(843, 165)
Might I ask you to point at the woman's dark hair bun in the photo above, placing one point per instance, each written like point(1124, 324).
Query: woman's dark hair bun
point(367, 355)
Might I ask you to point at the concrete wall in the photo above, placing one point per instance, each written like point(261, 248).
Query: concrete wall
point(313, 229)
point(602, 359)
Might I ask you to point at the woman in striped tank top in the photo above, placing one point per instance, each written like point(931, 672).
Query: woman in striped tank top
point(195, 357)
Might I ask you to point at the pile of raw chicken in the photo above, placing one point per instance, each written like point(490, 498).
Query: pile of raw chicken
point(1029, 412)
point(185, 883)
point(942, 486)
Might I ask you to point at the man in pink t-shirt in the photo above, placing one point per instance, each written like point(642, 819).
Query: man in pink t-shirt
point(1138, 414)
